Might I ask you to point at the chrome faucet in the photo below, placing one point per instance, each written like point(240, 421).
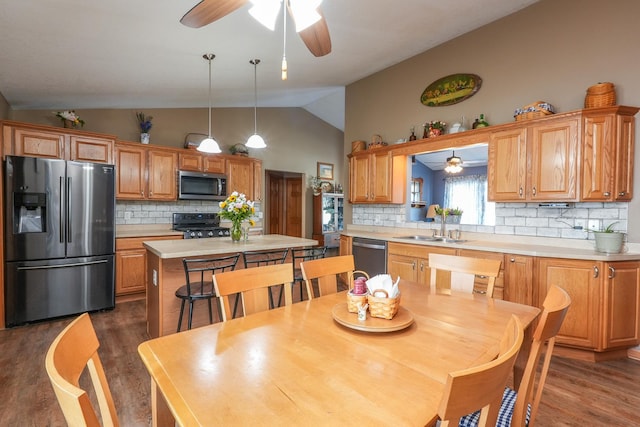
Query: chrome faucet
point(443, 226)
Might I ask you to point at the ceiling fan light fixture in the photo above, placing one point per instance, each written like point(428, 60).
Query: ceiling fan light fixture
point(454, 164)
point(255, 140)
point(304, 13)
point(266, 12)
point(209, 145)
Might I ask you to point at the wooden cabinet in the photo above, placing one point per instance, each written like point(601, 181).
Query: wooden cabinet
point(194, 161)
point(244, 175)
point(411, 262)
point(23, 139)
point(607, 154)
point(144, 174)
point(345, 249)
point(131, 259)
point(605, 302)
point(537, 162)
point(162, 175)
point(518, 284)
point(328, 210)
point(377, 177)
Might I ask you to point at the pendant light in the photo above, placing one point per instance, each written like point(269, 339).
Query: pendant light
point(209, 145)
point(454, 164)
point(284, 47)
point(255, 140)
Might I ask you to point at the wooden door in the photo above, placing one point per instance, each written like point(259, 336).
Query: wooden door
point(190, 161)
point(518, 284)
point(90, 149)
point(402, 266)
point(622, 304)
point(381, 173)
point(213, 164)
point(162, 176)
point(598, 157)
point(582, 280)
point(623, 177)
point(293, 207)
point(507, 168)
point(360, 184)
point(37, 143)
point(240, 177)
point(553, 154)
point(275, 206)
point(130, 271)
point(131, 172)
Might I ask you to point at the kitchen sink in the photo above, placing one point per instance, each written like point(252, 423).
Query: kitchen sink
point(421, 238)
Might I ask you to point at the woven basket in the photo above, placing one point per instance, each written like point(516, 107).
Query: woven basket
point(358, 146)
point(600, 95)
point(383, 307)
point(353, 300)
point(534, 110)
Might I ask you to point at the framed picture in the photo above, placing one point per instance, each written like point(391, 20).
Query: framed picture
point(325, 171)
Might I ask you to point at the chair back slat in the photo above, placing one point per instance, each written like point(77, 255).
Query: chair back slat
point(459, 272)
point(481, 387)
point(253, 286)
point(73, 350)
point(260, 258)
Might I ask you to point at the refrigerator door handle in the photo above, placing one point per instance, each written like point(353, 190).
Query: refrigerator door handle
point(69, 210)
point(77, 264)
point(62, 209)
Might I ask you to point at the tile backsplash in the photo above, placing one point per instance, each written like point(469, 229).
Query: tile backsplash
point(149, 212)
point(525, 219)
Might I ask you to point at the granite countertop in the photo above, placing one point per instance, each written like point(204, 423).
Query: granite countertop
point(197, 247)
point(517, 245)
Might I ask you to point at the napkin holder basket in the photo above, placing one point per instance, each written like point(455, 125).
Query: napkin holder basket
point(383, 307)
point(354, 300)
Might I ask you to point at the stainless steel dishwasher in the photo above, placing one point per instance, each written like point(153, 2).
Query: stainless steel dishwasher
point(370, 255)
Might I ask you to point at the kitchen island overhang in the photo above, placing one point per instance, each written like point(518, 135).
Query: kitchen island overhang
point(165, 273)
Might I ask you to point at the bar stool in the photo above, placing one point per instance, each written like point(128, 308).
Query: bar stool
point(299, 255)
point(202, 287)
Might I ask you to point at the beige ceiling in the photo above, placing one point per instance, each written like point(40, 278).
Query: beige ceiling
point(136, 54)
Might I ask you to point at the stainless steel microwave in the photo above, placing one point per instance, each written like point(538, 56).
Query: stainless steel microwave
point(201, 186)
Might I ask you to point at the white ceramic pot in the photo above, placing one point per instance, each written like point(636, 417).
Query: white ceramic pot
point(610, 243)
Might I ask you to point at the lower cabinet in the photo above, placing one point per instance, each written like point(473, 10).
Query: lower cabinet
point(131, 260)
point(518, 283)
point(605, 301)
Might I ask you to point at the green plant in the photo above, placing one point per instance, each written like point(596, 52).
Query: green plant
point(437, 124)
point(70, 116)
point(607, 229)
point(448, 211)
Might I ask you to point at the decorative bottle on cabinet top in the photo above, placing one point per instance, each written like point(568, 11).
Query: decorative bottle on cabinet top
point(482, 123)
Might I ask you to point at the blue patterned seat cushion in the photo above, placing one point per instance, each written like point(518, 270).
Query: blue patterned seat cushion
point(504, 417)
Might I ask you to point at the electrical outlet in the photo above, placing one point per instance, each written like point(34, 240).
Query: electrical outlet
point(127, 215)
point(594, 224)
point(580, 224)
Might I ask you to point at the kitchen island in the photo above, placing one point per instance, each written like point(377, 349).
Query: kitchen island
point(165, 273)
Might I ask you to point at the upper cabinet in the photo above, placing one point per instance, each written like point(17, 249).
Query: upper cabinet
point(377, 177)
point(199, 162)
point(538, 162)
point(581, 156)
point(23, 139)
point(145, 174)
point(244, 175)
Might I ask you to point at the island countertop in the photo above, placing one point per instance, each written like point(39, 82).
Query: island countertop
point(167, 249)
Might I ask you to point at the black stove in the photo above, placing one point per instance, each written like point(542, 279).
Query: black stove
point(199, 225)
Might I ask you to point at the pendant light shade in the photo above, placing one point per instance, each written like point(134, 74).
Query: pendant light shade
point(209, 145)
point(255, 140)
point(454, 164)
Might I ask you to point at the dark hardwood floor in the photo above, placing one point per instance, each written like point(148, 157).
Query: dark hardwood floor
point(577, 393)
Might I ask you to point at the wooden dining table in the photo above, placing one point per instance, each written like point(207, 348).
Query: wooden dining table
point(296, 365)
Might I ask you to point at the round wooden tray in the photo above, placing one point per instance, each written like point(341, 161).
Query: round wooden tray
point(403, 319)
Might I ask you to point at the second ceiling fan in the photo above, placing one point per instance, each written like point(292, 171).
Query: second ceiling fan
point(315, 36)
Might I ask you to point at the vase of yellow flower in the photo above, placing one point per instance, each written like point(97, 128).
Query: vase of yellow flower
point(236, 208)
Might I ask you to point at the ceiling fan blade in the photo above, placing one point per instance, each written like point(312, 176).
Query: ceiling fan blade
point(317, 38)
point(208, 11)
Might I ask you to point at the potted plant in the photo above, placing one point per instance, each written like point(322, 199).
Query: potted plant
point(436, 128)
point(450, 215)
point(608, 240)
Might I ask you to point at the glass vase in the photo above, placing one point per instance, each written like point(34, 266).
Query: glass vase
point(236, 231)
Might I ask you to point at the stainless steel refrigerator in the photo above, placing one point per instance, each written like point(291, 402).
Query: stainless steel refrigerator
point(59, 237)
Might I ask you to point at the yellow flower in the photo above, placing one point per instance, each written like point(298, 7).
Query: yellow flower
point(252, 222)
point(222, 205)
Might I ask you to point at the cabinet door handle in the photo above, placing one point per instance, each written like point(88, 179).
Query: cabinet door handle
point(622, 193)
point(480, 276)
point(150, 193)
point(520, 192)
point(413, 265)
point(534, 191)
point(596, 271)
point(476, 291)
point(512, 260)
point(607, 194)
point(421, 266)
point(612, 272)
point(142, 193)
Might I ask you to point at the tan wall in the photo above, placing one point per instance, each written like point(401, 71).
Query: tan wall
point(296, 139)
point(4, 108)
point(552, 51)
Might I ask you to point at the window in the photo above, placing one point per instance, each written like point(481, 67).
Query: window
point(469, 193)
point(416, 192)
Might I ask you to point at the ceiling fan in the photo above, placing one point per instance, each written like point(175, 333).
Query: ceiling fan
point(315, 36)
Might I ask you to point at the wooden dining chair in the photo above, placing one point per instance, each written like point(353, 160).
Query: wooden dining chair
point(520, 409)
point(253, 286)
point(75, 348)
point(260, 258)
point(481, 387)
point(325, 271)
point(459, 272)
